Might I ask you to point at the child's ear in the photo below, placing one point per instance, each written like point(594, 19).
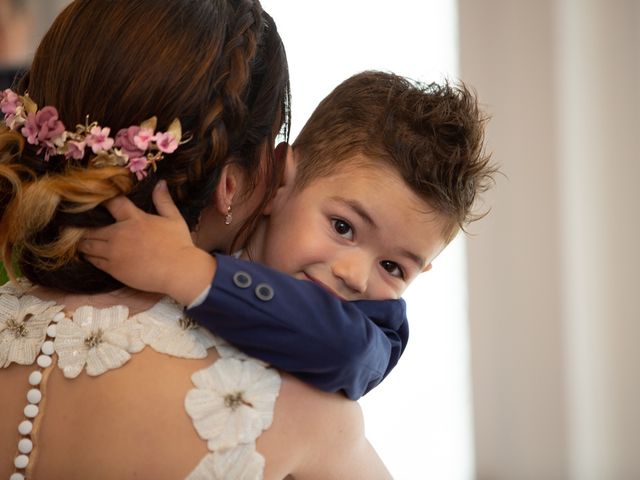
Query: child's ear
point(289, 175)
point(227, 188)
point(290, 164)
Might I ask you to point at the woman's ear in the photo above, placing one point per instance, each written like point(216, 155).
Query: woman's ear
point(228, 187)
point(289, 175)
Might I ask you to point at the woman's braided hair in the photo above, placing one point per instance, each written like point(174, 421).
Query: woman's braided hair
point(217, 65)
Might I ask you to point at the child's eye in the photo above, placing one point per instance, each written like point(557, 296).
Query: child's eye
point(392, 268)
point(342, 228)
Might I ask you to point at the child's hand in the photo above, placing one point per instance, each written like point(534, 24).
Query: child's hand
point(154, 253)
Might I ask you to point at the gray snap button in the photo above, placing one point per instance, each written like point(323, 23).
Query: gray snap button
point(264, 292)
point(242, 279)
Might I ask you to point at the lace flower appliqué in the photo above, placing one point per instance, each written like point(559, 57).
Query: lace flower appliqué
point(233, 401)
point(166, 329)
point(23, 327)
point(101, 339)
point(16, 288)
point(226, 350)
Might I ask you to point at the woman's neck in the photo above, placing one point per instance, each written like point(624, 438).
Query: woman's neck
point(135, 300)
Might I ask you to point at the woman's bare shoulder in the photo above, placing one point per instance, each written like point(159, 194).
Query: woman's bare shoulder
point(320, 435)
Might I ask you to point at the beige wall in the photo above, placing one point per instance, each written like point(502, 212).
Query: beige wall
point(554, 290)
point(22, 25)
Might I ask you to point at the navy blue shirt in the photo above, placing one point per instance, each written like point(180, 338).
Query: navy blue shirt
point(301, 328)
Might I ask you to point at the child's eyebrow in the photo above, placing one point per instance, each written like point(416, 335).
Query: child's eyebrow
point(361, 211)
point(358, 208)
point(417, 259)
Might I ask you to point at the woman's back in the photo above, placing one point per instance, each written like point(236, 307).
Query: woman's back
point(158, 415)
point(129, 421)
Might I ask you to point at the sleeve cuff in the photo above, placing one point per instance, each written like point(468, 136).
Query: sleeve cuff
point(199, 300)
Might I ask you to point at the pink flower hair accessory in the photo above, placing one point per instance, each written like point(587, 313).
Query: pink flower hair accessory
point(138, 147)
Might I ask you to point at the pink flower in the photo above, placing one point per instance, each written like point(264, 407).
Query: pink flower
point(142, 138)
point(125, 139)
point(30, 129)
point(99, 140)
point(138, 165)
point(44, 127)
point(9, 102)
point(166, 142)
point(49, 150)
point(75, 150)
point(51, 128)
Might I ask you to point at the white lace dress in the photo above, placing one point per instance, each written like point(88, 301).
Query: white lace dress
point(231, 403)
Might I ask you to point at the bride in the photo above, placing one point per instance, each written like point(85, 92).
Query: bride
point(100, 381)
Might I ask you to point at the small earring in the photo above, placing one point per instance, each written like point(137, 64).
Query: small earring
point(228, 218)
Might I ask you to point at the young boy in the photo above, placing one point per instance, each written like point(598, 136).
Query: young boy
point(379, 181)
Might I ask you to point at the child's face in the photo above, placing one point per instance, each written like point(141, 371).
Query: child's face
point(361, 233)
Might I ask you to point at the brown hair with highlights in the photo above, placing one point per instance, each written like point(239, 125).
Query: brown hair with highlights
point(217, 65)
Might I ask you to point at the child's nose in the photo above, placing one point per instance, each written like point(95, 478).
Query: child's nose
point(353, 270)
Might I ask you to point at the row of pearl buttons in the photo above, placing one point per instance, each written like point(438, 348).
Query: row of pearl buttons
point(34, 396)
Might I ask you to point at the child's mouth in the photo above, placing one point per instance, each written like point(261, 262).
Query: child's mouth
point(306, 276)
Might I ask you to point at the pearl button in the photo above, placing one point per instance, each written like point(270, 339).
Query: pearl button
point(16, 476)
point(25, 446)
point(35, 378)
point(47, 347)
point(21, 461)
point(25, 427)
point(44, 361)
point(51, 330)
point(31, 411)
point(34, 396)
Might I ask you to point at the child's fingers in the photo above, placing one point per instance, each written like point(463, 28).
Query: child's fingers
point(97, 262)
point(103, 234)
point(93, 248)
point(121, 208)
point(163, 201)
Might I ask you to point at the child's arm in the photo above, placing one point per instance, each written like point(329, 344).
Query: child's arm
point(329, 343)
point(301, 328)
